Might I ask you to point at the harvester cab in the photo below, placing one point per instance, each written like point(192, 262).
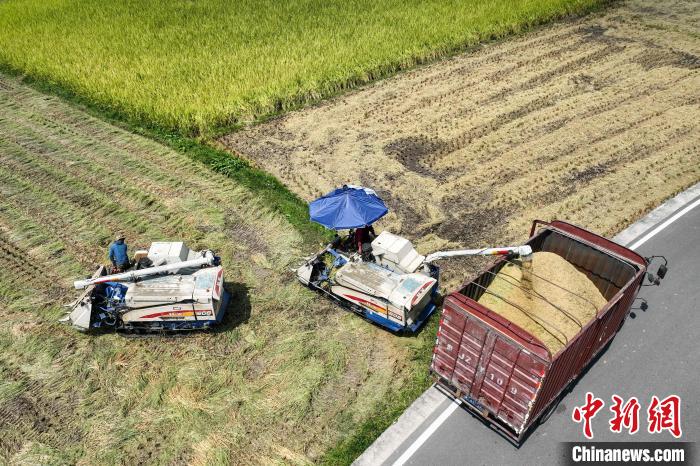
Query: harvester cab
point(395, 286)
point(170, 288)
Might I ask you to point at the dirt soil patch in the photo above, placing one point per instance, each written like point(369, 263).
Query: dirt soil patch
point(594, 121)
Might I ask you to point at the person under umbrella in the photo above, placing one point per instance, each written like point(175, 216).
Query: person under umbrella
point(363, 238)
point(353, 208)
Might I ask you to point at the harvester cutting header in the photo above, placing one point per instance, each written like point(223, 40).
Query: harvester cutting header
point(381, 277)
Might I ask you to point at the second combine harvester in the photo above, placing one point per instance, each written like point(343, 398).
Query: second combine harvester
point(389, 283)
point(170, 288)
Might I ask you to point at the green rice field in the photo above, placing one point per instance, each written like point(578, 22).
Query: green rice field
point(201, 67)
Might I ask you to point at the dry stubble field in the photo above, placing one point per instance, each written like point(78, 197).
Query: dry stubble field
point(284, 379)
point(595, 121)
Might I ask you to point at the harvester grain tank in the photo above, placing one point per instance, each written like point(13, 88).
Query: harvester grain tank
point(170, 288)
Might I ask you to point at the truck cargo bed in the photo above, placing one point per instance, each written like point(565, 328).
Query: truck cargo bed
point(507, 375)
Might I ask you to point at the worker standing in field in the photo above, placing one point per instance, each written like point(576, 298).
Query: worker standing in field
point(118, 254)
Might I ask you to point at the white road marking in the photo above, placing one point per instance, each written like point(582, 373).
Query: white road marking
point(658, 229)
point(453, 406)
point(426, 434)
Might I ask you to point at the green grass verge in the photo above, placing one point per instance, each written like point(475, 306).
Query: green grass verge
point(207, 66)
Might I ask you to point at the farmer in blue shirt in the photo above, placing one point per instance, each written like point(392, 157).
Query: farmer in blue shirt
point(118, 255)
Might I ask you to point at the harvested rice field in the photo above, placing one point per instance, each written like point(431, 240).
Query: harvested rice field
point(285, 378)
point(594, 121)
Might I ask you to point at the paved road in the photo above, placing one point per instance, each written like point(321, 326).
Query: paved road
point(654, 353)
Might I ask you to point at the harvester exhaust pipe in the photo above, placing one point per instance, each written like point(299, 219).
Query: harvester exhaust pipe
point(207, 259)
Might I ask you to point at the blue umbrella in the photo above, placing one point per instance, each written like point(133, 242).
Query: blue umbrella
point(347, 207)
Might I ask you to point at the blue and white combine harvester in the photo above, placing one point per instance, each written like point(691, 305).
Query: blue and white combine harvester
point(387, 282)
point(169, 289)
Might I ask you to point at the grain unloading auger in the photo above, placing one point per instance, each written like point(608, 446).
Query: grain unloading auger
point(393, 285)
point(170, 288)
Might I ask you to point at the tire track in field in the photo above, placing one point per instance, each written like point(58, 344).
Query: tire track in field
point(465, 148)
point(548, 124)
point(15, 267)
point(94, 190)
point(542, 122)
point(36, 409)
point(567, 148)
point(477, 82)
point(96, 172)
point(35, 417)
point(610, 151)
point(88, 153)
point(87, 139)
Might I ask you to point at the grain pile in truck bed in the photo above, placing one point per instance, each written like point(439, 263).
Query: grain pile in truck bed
point(553, 306)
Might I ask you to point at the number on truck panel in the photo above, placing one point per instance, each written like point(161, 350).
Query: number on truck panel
point(498, 380)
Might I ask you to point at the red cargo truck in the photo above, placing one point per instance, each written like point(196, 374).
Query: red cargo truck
point(505, 374)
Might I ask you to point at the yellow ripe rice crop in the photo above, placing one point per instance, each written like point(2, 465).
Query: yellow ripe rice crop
point(199, 65)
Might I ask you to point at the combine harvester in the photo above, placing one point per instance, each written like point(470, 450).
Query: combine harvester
point(389, 283)
point(169, 289)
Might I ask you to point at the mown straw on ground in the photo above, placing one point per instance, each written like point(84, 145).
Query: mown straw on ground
point(285, 378)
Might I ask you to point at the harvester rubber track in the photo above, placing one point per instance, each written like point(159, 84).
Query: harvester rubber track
point(160, 333)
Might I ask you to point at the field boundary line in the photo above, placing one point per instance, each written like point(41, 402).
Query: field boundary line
point(427, 433)
point(657, 215)
point(409, 422)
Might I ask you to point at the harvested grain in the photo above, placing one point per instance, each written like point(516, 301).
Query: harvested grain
point(554, 305)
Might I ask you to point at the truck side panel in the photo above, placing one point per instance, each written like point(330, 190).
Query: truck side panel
point(616, 271)
point(574, 358)
point(492, 371)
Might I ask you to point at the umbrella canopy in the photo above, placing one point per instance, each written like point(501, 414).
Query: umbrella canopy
point(347, 207)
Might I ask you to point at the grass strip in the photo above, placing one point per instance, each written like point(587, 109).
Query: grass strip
point(387, 412)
